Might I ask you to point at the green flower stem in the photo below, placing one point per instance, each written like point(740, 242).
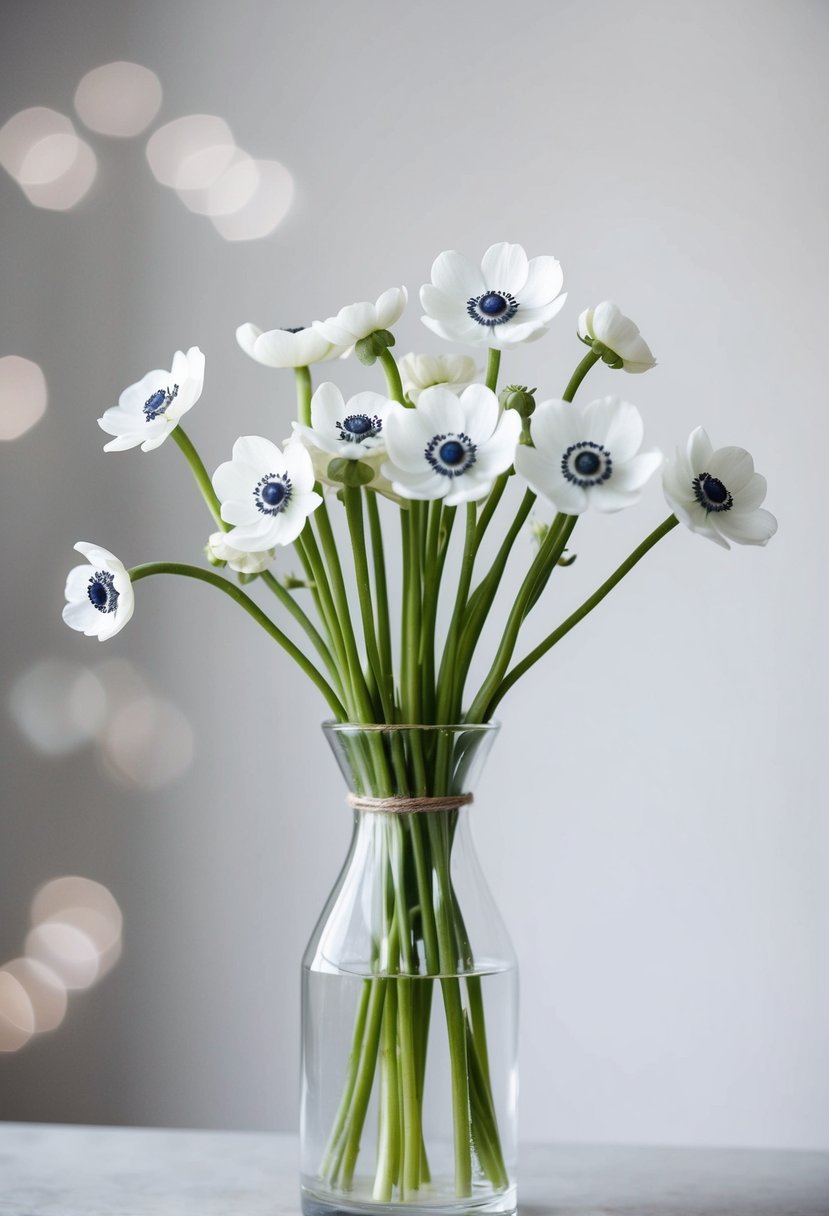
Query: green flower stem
point(352, 496)
point(446, 711)
point(589, 604)
point(388, 1149)
point(392, 376)
point(338, 1130)
point(381, 597)
point(493, 364)
point(489, 507)
point(578, 375)
point(201, 475)
point(302, 376)
point(253, 609)
point(548, 554)
point(306, 546)
point(435, 556)
point(344, 1168)
point(301, 617)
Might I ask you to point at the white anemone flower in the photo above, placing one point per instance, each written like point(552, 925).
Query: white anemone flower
point(353, 429)
point(607, 324)
point(450, 447)
point(505, 300)
point(418, 372)
point(218, 550)
point(285, 347)
point(99, 595)
point(587, 455)
point(717, 493)
point(266, 493)
point(148, 411)
point(357, 321)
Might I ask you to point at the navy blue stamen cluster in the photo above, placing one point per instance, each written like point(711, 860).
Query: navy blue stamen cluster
point(159, 402)
point(272, 493)
point(586, 464)
point(358, 427)
point(101, 591)
point(711, 494)
point(296, 329)
point(492, 308)
point(451, 455)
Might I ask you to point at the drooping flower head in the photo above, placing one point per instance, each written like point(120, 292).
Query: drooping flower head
point(350, 430)
point(717, 493)
point(99, 595)
point(220, 553)
point(505, 300)
point(358, 321)
point(587, 455)
point(450, 447)
point(418, 372)
point(285, 347)
point(615, 337)
point(266, 493)
point(149, 410)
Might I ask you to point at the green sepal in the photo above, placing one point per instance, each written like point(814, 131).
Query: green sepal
point(214, 561)
point(291, 583)
point(567, 561)
point(608, 356)
point(369, 349)
point(244, 579)
point(350, 472)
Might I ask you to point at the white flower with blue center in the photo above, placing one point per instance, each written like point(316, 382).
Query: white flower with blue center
point(450, 447)
point(418, 372)
point(587, 455)
point(505, 300)
point(717, 493)
point(266, 492)
point(148, 411)
point(615, 337)
point(99, 595)
point(285, 347)
point(353, 429)
point(358, 321)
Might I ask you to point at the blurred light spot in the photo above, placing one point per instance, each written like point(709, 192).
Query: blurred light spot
point(57, 706)
point(231, 190)
point(24, 130)
point(198, 171)
point(147, 743)
point(23, 396)
point(49, 159)
point(46, 992)
point(68, 188)
point(67, 950)
point(265, 209)
point(172, 148)
point(121, 682)
point(72, 891)
point(17, 1019)
point(118, 98)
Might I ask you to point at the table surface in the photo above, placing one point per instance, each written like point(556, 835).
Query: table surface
point(48, 1170)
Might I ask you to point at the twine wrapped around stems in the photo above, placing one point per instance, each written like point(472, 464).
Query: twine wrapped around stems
point(408, 806)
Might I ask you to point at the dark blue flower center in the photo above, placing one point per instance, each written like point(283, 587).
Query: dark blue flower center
point(101, 591)
point(492, 308)
point(711, 494)
point(296, 329)
point(159, 401)
point(451, 455)
point(586, 464)
point(358, 427)
point(272, 493)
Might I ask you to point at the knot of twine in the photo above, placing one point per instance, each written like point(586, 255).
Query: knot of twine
point(408, 806)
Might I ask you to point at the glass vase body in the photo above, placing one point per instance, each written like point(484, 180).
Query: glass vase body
point(410, 994)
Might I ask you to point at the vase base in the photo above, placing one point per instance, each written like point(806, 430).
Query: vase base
point(435, 1200)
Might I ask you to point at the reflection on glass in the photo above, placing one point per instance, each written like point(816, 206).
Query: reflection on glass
point(23, 396)
point(119, 99)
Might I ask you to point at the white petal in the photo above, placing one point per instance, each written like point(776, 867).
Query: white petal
point(246, 336)
point(457, 277)
point(327, 408)
point(234, 480)
point(98, 556)
point(585, 326)
point(568, 498)
point(607, 497)
point(407, 434)
point(481, 410)
point(699, 450)
point(555, 425)
point(82, 616)
point(617, 425)
point(545, 280)
point(751, 496)
point(466, 488)
point(542, 474)
point(633, 473)
point(297, 462)
point(257, 453)
point(751, 528)
point(464, 329)
point(440, 410)
point(443, 307)
point(390, 305)
point(155, 434)
point(733, 466)
point(77, 582)
point(333, 331)
point(504, 268)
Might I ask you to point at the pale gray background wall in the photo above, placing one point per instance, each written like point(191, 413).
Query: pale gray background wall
point(655, 821)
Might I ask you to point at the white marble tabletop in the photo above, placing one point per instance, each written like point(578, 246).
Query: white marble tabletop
point(48, 1170)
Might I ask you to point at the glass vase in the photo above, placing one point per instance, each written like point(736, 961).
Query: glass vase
point(410, 993)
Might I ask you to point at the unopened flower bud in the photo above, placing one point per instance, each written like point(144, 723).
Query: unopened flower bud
point(370, 348)
point(519, 398)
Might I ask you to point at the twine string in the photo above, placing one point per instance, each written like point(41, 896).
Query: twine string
point(408, 806)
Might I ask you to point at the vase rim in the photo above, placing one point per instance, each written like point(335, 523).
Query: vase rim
point(393, 727)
